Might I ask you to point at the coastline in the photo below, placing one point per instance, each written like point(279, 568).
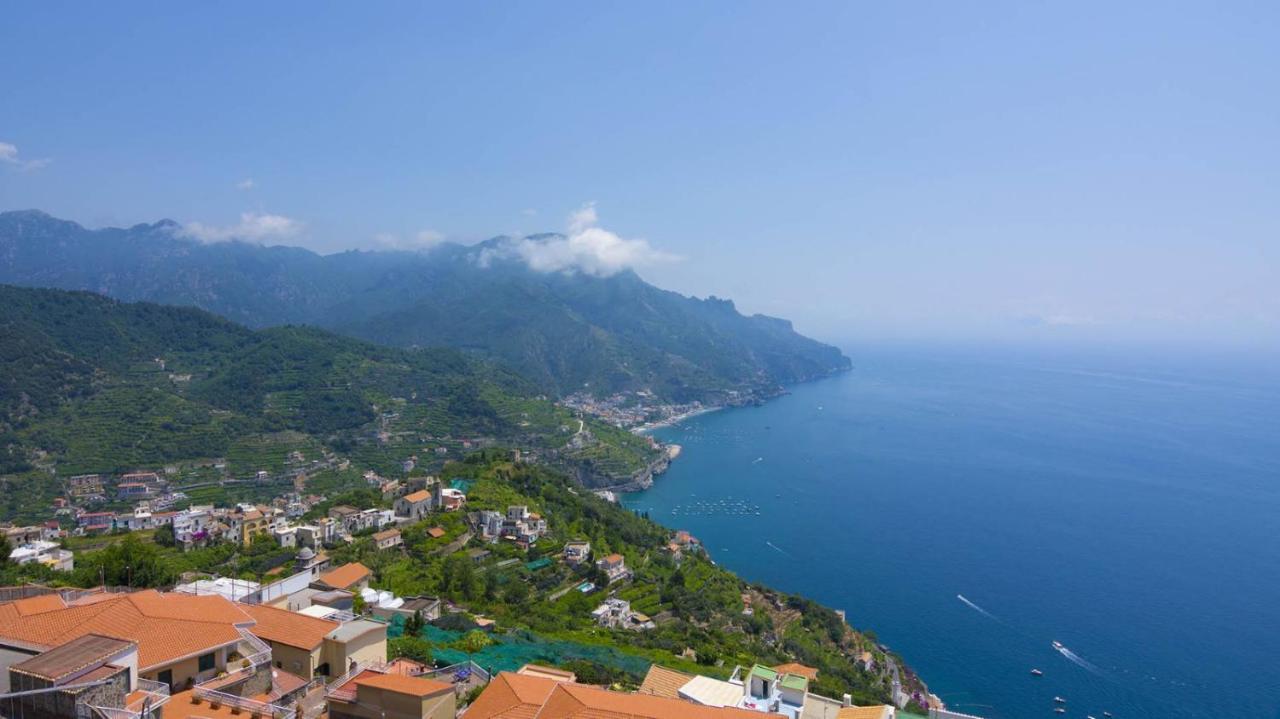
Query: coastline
point(672, 451)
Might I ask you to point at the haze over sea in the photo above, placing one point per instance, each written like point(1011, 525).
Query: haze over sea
point(1127, 506)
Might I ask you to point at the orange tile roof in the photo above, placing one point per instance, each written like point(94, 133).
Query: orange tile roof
point(436, 532)
point(421, 495)
point(166, 627)
point(613, 558)
point(512, 696)
point(289, 628)
point(663, 682)
point(578, 701)
point(792, 668)
point(519, 696)
point(400, 684)
point(379, 536)
point(345, 576)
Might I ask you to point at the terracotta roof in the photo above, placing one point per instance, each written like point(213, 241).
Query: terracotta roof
point(512, 696)
point(663, 682)
point(577, 701)
point(613, 558)
point(436, 532)
point(166, 627)
point(421, 495)
point(345, 576)
point(518, 696)
point(793, 668)
point(379, 536)
point(290, 628)
point(400, 684)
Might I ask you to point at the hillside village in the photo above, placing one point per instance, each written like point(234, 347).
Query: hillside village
point(491, 589)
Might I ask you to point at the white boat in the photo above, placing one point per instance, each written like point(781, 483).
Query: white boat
point(1037, 673)
point(1059, 700)
point(1058, 645)
point(1060, 710)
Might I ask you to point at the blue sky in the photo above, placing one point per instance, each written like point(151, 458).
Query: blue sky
point(1012, 171)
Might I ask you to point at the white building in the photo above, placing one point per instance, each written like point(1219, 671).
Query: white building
point(50, 554)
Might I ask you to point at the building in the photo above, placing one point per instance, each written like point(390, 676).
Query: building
point(490, 524)
point(511, 695)
point(415, 506)
point(351, 577)
point(449, 499)
point(426, 607)
point(576, 552)
point(86, 487)
point(91, 675)
point(181, 639)
point(615, 567)
point(50, 554)
point(616, 613)
point(310, 646)
point(387, 539)
point(374, 694)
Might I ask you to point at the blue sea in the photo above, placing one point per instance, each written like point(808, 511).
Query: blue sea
point(970, 508)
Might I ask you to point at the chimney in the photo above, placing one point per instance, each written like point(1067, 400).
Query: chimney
point(846, 700)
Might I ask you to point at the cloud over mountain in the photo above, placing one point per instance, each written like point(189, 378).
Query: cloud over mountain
point(253, 227)
point(588, 248)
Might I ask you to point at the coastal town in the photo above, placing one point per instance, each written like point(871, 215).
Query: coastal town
point(314, 628)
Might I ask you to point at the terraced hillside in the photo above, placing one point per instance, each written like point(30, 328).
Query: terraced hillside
point(92, 385)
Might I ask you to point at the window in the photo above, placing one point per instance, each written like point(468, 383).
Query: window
point(206, 662)
point(165, 677)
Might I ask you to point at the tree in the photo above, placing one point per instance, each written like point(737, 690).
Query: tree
point(411, 646)
point(517, 593)
point(413, 625)
point(473, 642)
point(164, 536)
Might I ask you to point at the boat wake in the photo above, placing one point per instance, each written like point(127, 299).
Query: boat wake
point(780, 550)
point(1077, 659)
point(977, 608)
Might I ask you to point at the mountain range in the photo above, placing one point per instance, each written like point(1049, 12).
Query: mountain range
point(565, 331)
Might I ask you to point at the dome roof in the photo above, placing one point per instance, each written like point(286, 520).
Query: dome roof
point(306, 555)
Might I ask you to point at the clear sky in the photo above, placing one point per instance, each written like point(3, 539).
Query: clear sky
point(968, 170)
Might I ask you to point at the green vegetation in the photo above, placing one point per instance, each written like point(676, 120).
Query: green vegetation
point(563, 331)
point(91, 385)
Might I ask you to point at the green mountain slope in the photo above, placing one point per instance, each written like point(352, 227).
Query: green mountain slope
point(91, 384)
point(566, 331)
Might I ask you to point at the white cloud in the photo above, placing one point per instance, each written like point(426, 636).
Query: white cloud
point(587, 248)
point(9, 156)
point(423, 240)
point(253, 227)
point(246, 184)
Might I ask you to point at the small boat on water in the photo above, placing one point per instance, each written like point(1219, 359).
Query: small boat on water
point(1058, 645)
point(1059, 710)
point(1107, 715)
point(1037, 673)
point(1059, 700)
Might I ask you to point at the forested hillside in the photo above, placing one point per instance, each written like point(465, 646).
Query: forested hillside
point(90, 384)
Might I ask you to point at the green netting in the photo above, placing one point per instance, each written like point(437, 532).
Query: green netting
point(463, 485)
point(511, 651)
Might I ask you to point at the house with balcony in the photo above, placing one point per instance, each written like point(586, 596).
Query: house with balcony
point(614, 567)
point(379, 692)
point(576, 552)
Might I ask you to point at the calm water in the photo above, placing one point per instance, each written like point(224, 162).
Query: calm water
point(1129, 509)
